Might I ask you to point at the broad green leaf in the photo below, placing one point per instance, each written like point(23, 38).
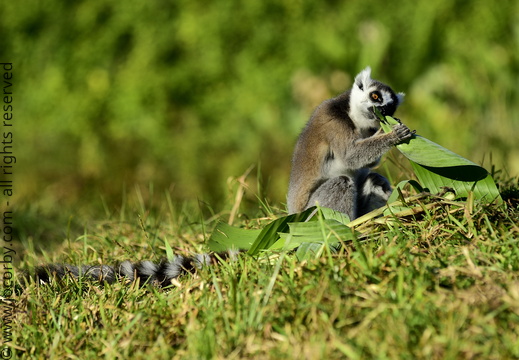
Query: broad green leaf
point(437, 167)
point(275, 234)
point(485, 189)
point(440, 160)
point(436, 158)
point(226, 237)
point(307, 251)
point(270, 233)
point(326, 231)
point(334, 215)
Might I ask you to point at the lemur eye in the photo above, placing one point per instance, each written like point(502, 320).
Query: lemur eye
point(375, 95)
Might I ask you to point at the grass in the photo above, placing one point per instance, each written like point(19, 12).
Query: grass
point(441, 284)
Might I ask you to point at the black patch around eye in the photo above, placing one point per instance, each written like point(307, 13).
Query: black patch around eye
point(376, 96)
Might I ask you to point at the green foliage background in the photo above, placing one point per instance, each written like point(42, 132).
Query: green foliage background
point(185, 94)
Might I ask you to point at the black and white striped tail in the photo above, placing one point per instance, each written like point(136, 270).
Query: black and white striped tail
point(159, 274)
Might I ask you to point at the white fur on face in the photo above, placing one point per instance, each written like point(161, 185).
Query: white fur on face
point(359, 102)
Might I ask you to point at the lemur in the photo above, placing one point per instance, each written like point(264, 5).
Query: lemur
point(331, 167)
point(340, 144)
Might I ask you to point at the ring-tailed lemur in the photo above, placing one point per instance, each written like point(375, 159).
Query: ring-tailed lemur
point(340, 143)
point(331, 166)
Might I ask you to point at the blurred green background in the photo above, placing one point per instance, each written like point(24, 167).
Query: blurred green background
point(182, 95)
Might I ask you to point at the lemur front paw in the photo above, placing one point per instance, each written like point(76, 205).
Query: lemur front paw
point(402, 132)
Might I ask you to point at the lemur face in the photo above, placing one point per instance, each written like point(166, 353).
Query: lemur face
point(367, 94)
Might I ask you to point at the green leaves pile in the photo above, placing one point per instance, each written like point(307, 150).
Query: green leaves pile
point(310, 231)
point(436, 168)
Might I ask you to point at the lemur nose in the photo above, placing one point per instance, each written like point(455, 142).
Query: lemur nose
point(387, 110)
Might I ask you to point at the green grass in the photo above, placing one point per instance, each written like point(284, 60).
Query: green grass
point(440, 284)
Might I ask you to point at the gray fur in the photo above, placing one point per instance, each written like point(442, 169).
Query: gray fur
point(337, 193)
point(338, 146)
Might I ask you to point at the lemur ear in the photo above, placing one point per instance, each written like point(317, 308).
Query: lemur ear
point(363, 78)
point(400, 97)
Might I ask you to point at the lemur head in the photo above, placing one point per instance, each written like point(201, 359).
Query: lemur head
point(368, 93)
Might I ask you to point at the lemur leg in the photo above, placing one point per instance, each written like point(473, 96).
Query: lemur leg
point(374, 192)
point(339, 193)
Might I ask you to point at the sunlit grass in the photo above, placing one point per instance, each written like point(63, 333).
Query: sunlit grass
point(441, 284)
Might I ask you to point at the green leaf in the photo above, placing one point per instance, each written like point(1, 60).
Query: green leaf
point(334, 215)
point(326, 231)
point(225, 237)
point(437, 167)
point(397, 191)
point(287, 232)
point(440, 160)
point(485, 189)
point(169, 251)
point(307, 251)
point(270, 233)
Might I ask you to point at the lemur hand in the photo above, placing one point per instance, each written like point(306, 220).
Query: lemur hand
point(402, 132)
